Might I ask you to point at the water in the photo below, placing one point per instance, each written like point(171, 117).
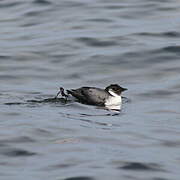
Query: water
point(45, 44)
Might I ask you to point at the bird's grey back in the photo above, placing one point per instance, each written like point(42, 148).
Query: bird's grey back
point(90, 95)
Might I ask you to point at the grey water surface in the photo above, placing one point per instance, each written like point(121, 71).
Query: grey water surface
point(45, 44)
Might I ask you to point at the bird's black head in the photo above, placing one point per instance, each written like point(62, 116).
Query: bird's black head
point(115, 88)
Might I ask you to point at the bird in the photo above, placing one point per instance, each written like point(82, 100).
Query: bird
point(110, 97)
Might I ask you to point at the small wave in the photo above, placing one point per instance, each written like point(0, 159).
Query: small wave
point(80, 178)
point(22, 139)
point(42, 2)
point(18, 152)
point(172, 49)
point(7, 5)
point(96, 42)
point(170, 34)
point(138, 166)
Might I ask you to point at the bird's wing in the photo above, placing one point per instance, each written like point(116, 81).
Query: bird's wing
point(77, 93)
point(89, 95)
point(95, 95)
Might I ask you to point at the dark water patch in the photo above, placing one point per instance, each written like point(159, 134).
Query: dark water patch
point(62, 56)
point(172, 49)
point(42, 2)
point(99, 20)
point(158, 52)
point(171, 69)
point(170, 34)
point(107, 114)
point(160, 1)
point(37, 92)
point(168, 9)
point(96, 42)
point(80, 178)
point(22, 139)
point(78, 27)
point(30, 24)
point(5, 57)
point(14, 103)
point(12, 113)
point(111, 7)
point(159, 178)
point(7, 76)
point(2, 144)
point(5, 4)
point(18, 153)
point(4, 164)
point(138, 166)
point(59, 58)
point(33, 13)
point(171, 144)
point(60, 166)
point(36, 13)
point(72, 4)
point(137, 14)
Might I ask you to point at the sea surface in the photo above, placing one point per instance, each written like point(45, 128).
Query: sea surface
point(47, 44)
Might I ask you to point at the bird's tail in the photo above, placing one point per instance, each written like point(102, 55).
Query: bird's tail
point(61, 91)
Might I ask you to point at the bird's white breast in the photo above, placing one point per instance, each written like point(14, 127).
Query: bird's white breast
point(114, 100)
